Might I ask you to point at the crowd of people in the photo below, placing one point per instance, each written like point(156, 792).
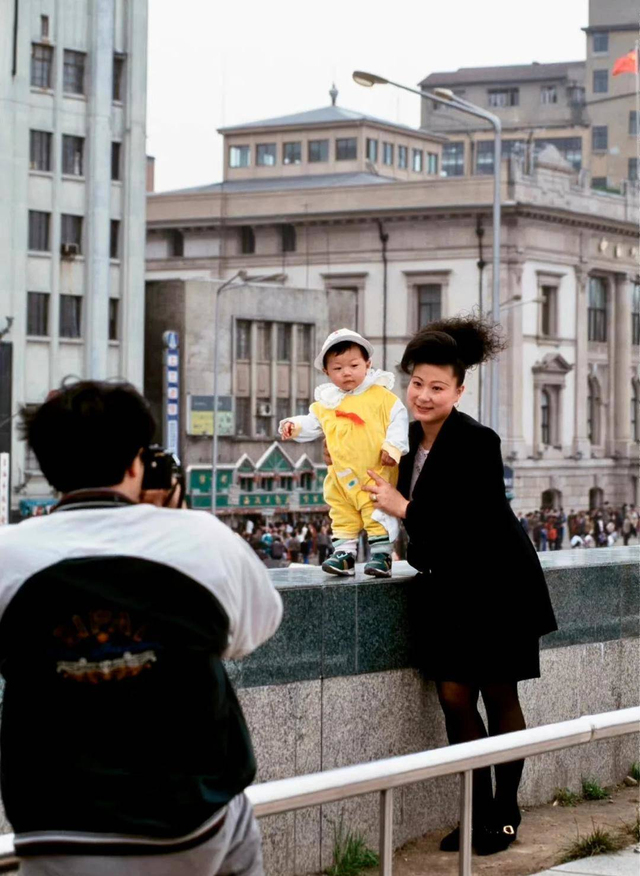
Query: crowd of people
point(551, 529)
point(281, 543)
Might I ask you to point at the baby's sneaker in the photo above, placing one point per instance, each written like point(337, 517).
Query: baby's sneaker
point(379, 566)
point(340, 563)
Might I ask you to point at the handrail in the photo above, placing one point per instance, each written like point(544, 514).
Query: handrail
point(285, 795)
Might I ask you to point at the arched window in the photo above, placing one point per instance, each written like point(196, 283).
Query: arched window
point(545, 420)
point(597, 312)
point(593, 411)
point(596, 498)
point(635, 314)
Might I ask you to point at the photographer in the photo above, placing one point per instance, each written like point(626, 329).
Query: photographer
point(124, 748)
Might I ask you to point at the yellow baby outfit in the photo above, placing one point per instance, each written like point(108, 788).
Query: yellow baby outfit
point(357, 426)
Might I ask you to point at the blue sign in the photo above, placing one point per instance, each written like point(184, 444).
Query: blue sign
point(171, 394)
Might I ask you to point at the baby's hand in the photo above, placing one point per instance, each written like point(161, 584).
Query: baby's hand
point(385, 459)
point(287, 430)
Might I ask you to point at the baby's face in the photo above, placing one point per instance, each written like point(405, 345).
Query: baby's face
point(347, 370)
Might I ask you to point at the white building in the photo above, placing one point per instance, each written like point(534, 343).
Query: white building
point(72, 211)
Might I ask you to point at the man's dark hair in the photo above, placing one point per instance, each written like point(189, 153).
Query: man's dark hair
point(88, 434)
point(342, 347)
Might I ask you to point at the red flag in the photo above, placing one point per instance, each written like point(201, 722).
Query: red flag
point(626, 64)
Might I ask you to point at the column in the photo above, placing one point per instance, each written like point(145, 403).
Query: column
point(513, 374)
point(537, 424)
point(580, 434)
point(622, 364)
point(612, 355)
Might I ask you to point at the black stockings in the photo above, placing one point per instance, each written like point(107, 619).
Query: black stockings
point(459, 703)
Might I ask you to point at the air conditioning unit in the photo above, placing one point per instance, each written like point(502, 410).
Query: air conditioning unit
point(70, 250)
point(265, 409)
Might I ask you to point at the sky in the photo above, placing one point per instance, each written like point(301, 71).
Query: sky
point(214, 63)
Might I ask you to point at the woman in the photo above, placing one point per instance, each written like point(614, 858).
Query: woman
point(479, 607)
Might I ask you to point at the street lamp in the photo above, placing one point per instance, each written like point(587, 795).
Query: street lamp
point(245, 280)
point(446, 97)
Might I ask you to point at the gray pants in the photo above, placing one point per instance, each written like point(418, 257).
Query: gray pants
point(235, 850)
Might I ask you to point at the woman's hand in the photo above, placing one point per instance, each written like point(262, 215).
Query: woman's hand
point(386, 497)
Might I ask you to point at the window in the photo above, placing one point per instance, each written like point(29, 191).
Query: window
point(318, 150)
point(600, 138)
point(116, 149)
point(72, 153)
point(387, 154)
point(71, 231)
point(113, 318)
point(429, 303)
point(403, 159)
point(283, 409)
point(302, 408)
point(632, 170)
point(545, 419)
point(38, 314)
point(633, 123)
point(569, 147)
point(39, 231)
point(267, 480)
point(263, 430)
point(453, 159)
point(593, 411)
point(432, 162)
point(372, 150)
point(635, 314)
point(239, 156)
point(40, 150)
point(118, 78)
point(284, 342)
point(243, 426)
point(70, 316)
point(243, 339)
point(114, 240)
point(176, 244)
point(264, 341)
point(247, 240)
point(346, 148)
point(286, 483)
point(601, 42)
point(246, 483)
point(288, 238)
point(484, 157)
point(501, 97)
point(41, 65)
point(416, 160)
point(635, 401)
point(266, 154)
point(73, 73)
point(303, 343)
point(306, 480)
point(293, 153)
point(600, 81)
point(549, 94)
point(44, 27)
point(597, 312)
point(548, 310)
point(599, 182)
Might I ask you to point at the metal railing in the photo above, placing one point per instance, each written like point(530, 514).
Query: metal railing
point(382, 776)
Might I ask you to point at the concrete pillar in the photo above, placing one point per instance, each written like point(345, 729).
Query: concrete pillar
point(537, 418)
point(581, 444)
point(609, 403)
point(97, 216)
point(513, 373)
point(622, 364)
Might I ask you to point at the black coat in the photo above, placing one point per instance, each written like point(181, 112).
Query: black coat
point(483, 601)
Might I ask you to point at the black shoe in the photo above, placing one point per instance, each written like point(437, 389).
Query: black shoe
point(451, 842)
point(499, 835)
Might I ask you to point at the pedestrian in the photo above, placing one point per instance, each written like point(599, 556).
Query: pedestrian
point(476, 622)
point(324, 544)
point(142, 751)
point(626, 530)
point(293, 546)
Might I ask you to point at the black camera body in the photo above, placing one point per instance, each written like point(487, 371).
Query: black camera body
point(160, 468)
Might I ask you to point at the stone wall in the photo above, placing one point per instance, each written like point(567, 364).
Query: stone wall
point(334, 687)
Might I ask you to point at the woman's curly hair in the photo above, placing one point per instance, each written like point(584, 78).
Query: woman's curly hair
point(462, 342)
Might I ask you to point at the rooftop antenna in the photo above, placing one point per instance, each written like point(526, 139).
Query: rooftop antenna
point(333, 94)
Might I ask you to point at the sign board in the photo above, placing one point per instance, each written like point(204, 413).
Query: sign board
point(4, 488)
point(508, 482)
point(171, 392)
point(200, 415)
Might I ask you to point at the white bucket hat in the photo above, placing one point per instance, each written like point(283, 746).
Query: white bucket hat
point(339, 337)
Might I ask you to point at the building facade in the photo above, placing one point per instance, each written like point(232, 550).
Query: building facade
point(72, 176)
point(579, 106)
point(405, 252)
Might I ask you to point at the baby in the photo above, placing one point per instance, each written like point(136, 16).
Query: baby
point(366, 427)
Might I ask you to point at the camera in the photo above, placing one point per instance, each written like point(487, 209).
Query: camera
point(161, 468)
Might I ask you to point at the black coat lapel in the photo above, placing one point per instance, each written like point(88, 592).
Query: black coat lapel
point(439, 450)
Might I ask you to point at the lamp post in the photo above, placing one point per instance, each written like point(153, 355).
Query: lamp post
point(245, 280)
point(446, 97)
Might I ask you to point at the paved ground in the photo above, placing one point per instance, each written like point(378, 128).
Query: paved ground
point(625, 863)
